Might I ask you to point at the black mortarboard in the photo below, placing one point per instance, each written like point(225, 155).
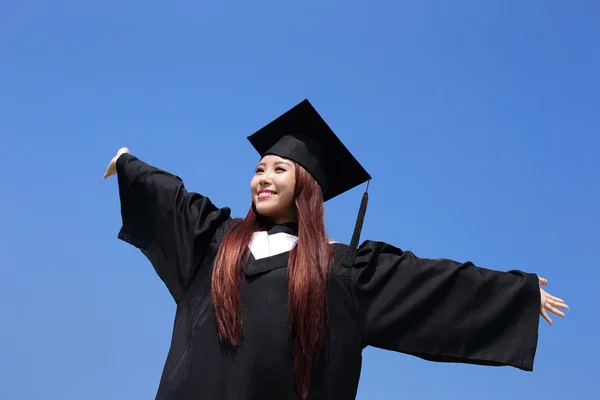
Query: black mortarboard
point(301, 135)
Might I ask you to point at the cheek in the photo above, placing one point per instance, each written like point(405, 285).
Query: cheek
point(253, 184)
point(289, 190)
point(291, 186)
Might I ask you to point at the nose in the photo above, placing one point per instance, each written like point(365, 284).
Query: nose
point(265, 179)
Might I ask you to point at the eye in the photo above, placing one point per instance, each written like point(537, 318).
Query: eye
point(259, 169)
point(280, 169)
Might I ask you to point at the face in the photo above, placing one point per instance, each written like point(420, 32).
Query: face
point(272, 188)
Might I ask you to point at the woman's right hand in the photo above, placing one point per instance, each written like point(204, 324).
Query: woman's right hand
point(112, 166)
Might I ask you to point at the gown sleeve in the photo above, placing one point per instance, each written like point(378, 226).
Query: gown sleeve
point(443, 310)
point(171, 226)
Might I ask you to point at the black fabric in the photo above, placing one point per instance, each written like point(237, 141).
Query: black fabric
point(438, 310)
point(290, 228)
point(307, 153)
point(443, 310)
point(301, 135)
point(173, 227)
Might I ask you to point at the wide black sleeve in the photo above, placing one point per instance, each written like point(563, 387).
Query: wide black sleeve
point(443, 310)
point(171, 226)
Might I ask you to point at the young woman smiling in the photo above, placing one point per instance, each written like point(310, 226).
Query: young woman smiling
point(273, 188)
point(269, 308)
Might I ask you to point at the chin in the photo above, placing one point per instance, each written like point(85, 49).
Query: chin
point(265, 212)
point(268, 212)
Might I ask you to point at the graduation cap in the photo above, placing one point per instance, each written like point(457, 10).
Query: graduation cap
point(302, 135)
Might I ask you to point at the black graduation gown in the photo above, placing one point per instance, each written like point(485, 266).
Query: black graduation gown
point(439, 310)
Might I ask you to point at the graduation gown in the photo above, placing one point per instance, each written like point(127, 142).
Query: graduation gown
point(435, 309)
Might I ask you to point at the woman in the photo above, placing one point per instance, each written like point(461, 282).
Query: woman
point(269, 308)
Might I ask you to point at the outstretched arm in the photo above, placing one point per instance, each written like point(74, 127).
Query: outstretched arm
point(443, 310)
point(174, 228)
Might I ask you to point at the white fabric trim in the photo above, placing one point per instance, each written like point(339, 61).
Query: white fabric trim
point(264, 245)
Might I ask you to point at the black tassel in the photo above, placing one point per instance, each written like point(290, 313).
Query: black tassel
point(358, 227)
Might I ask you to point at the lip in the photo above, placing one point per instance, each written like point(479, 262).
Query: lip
point(266, 193)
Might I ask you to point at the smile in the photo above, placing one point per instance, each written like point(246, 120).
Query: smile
point(265, 194)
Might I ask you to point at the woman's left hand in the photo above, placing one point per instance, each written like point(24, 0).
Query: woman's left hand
point(550, 303)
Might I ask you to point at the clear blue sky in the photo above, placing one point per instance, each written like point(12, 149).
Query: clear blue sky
point(479, 123)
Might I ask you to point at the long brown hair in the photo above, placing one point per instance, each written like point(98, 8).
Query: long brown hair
point(307, 278)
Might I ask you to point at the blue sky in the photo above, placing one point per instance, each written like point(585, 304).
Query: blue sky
point(479, 124)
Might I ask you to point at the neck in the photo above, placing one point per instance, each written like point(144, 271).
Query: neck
point(283, 220)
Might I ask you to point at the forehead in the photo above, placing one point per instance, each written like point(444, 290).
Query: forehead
point(273, 159)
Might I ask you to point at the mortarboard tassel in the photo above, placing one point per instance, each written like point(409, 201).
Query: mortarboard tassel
point(358, 227)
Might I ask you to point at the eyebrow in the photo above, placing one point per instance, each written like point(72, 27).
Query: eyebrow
point(277, 163)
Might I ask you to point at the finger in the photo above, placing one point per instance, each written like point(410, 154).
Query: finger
point(550, 308)
point(543, 281)
point(546, 317)
point(558, 300)
point(558, 304)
